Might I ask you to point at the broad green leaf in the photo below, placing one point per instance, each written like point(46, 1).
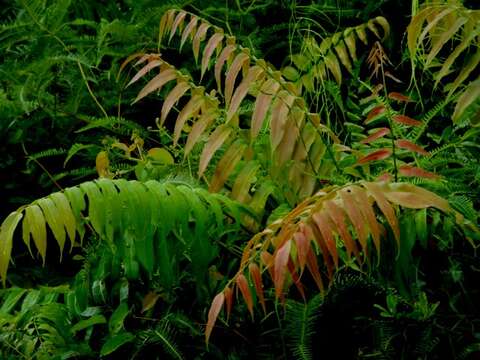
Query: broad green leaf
point(114, 342)
point(12, 299)
point(87, 323)
point(6, 238)
point(52, 216)
point(76, 198)
point(96, 207)
point(115, 323)
point(66, 214)
point(34, 224)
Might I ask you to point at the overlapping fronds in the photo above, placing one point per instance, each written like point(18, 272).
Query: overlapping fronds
point(430, 35)
point(341, 224)
point(298, 141)
point(317, 59)
point(131, 216)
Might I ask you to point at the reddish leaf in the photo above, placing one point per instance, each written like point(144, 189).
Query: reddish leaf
point(408, 170)
point(338, 217)
point(188, 31)
point(374, 113)
point(399, 97)
point(302, 244)
point(374, 156)
point(215, 308)
point(414, 197)
point(377, 191)
point(232, 73)
point(262, 104)
point(281, 260)
point(405, 120)
point(312, 232)
point(229, 300)
point(291, 134)
point(212, 44)
point(355, 217)
point(257, 281)
point(326, 229)
point(381, 132)
point(312, 266)
point(245, 290)
point(178, 91)
point(217, 138)
point(127, 61)
point(151, 65)
point(405, 144)
point(224, 55)
point(188, 111)
point(198, 38)
point(365, 207)
point(253, 73)
point(385, 177)
point(177, 22)
point(157, 83)
point(165, 23)
point(280, 110)
point(295, 278)
point(267, 260)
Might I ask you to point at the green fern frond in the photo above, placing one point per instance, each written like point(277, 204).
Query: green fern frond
point(45, 154)
point(164, 335)
point(319, 58)
point(138, 216)
point(300, 322)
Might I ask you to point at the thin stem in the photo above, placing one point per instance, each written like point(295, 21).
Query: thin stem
point(390, 124)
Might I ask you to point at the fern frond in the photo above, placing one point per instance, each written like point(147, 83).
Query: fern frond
point(298, 141)
point(300, 319)
point(140, 214)
point(46, 154)
point(431, 31)
point(164, 335)
point(317, 59)
point(333, 219)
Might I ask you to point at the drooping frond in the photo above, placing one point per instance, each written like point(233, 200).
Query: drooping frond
point(298, 142)
point(339, 224)
point(129, 215)
point(430, 33)
point(319, 58)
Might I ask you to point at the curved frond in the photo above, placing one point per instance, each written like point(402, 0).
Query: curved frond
point(119, 211)
point(430, 35)
point(339, 224)
point(298, 141)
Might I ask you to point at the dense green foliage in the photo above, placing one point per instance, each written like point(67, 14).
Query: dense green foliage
point(314, 173)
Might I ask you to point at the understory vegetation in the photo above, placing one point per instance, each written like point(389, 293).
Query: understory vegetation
point(239, 179)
